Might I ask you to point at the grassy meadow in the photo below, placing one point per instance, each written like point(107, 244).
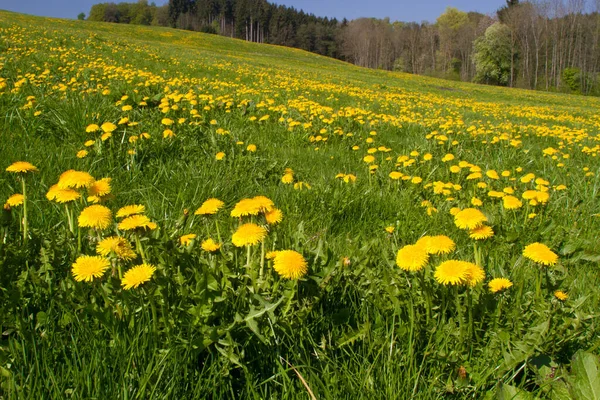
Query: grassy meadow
point(375, 235)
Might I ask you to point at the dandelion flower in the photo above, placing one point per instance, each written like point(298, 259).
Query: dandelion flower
point(210, 245)
point(481, 232)
point(475, 274)
point(253, 206)
point(498, 284)
point(100, 188)
point(287, 178)
point(82, 153)
point(274, 216)
point(15, 200)
point(251, 148)
point(440, 244)
point(137, 275)
point(560, 295)
point(540, 253)
point(271, 255)
point(96, 216)
point(185, 240)
point(136, 221)
point(469, 218)
point(452, 272)
point(86, 268)
point(209, 207)
point(219, 156)
point(290, 264)
point(21, 167)
point(390, 229)
point(108, 127)
point(130, 210)
point(511, 202)
point(117, 245)
point(412, 258)
point(75, 179)
point(63, 195)
point(92, 128)
point(248, 235)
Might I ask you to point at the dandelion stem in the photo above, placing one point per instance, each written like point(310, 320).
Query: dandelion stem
point(140, 249)
point(262, 259)
point(69, 218)
point(459, 311)
point(218, 232)
point(24, 210)
point(471, 332)
point(427, 295)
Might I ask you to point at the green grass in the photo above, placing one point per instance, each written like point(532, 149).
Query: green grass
point(356, 326)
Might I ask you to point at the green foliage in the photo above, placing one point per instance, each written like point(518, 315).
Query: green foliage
point(492, 55)
point(225, 324)
point(572, 79)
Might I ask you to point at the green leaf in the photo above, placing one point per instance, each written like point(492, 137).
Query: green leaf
point(585, 377)
point(508, 392)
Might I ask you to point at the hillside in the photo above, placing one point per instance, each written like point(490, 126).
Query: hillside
point(375, 182)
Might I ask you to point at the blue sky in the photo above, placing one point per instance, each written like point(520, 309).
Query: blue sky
point(402, 10)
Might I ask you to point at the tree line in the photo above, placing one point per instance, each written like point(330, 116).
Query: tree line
point(545, 45)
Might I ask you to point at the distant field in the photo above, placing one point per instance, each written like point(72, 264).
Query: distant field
point(402, 237)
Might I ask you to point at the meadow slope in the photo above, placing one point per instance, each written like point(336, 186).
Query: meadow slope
point(444, 235)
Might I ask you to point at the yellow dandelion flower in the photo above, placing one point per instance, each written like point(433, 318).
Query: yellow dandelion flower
point(476, 202)
point(301, 186)
point(253, 206)
point(185, 240)
point(21, 167)
point(248, 235)
point(396, 175)
point(560, 295)
point(75, 179)
point(412, 258)
point(492, 174)
point(86, 268)
point(219, 156)
point(96, 216)
point(92, 128)
point(498, 284)
point(290, 264)
point(469, 218)
point(475, 275)
point(452, 272)
point(440, 244)
point(511, 202)
point(274, 216)
point(62, 195)
point(454, 211)
point(100, 188)
point(271, 255)
point(89, 143)
point(209, 245)
point(481, 232)
point(15, 200)
point(108, 127)
point(136, 222)
point(130, 210)
point(287, 178)
point(82, 153)
point(117, 245)
point(251, 148)
point(540, 253)
point(390, 229)
point(369, 159)
point(210, 207)
point(137, 275)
